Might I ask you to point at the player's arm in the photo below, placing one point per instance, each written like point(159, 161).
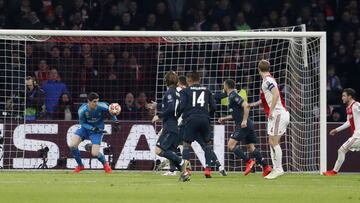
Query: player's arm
point(168, 110)
point(340, 128)
point(254, 104)
point(275, 97)
point(226, 118)
point(246, 114)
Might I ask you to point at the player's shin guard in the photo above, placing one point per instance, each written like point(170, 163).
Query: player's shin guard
point(340, 160)
point(259, 159)
point(240, 154)
point(76, 154)
point(278, 158)
point(101, 158)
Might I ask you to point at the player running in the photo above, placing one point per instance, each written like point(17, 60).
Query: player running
point(244, 130)
point(278, 116)
point(196, 104)
point(169, 138)
point(91, 117)
point(353, 121)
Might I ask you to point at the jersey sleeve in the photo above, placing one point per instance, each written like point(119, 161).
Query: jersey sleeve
point(169, 109)
point(270, 83)
point(238, 100)
point(83, 121)
point(182, 104)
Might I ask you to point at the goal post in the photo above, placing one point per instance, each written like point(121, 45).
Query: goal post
point(299, 65)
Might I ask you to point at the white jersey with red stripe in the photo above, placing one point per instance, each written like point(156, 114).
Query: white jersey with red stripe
point(353, 118)
point(266, 95)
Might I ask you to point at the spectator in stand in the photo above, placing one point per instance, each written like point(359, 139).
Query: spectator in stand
point(111, 18)
point(35, 98)
point(151, 22)
point(53, 89)
point(334, 86)
point(65, 109)
point(141, 106)
point(240, 22)
point(163, 18)
point(129, 110)
point(136, 16)
point(126, 22)
point(111, 78)
point(42, 73)
point(55, 58)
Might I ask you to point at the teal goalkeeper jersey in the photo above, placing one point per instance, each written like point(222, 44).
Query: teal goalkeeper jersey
point(90, 119)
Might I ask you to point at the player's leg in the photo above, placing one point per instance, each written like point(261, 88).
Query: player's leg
point(276, 128)
point(250, 141)
point(73, 146)
point(233, 146)
point(164, 145)
point(347, 146)
point(95, 151)
point(212, 156)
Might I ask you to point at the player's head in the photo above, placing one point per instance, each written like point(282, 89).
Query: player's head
point(264, 66)
point(229, 85)
point(348, 94)
point(182, 82)
point(171, 79)
point(193, 78)
point(93, 99)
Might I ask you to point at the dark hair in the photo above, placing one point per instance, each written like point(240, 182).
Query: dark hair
point(193, 76)
point(182, 80)
point(171, 79)
point(92, 95)
point(230, 83)
point(350, 92)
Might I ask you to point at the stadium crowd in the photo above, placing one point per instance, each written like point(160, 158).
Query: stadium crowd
point(49, 66)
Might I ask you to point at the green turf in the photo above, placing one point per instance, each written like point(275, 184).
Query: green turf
point(146, 187)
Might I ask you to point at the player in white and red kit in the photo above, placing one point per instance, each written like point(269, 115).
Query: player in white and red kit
point(278, 116)
point(353, 121)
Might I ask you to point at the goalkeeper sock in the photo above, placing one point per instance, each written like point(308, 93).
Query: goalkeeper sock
point(340, 160)
point(76, 154)
point(240, 154)
point(259, 159)
point(101, 158)
point(278, 157)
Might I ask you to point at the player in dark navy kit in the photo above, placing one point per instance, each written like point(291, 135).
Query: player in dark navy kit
point(196, 104)
point(169, 138)
point(244, 130)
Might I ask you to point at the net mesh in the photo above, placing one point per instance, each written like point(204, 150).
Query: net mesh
point(130, 71)
point(236, 58)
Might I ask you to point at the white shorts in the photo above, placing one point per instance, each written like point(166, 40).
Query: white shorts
point(352, 144)
point(278, 124)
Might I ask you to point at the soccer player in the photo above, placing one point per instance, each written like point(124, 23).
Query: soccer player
point(353, 121)
point(196, 104)
point(169, 138)
point(91, 117)
point(244, 130)
point(278, 116)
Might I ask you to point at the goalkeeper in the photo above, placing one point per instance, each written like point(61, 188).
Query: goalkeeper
point(91, 117)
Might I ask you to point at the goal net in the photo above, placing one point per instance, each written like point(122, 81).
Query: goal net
point(115, 64)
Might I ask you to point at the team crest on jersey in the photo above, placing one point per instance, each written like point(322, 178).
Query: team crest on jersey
point(87, 114)
point(237, 99)
point(231, 110)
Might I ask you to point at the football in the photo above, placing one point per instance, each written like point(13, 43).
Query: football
point(114, 109)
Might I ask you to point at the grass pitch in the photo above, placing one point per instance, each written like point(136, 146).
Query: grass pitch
point(95, 186)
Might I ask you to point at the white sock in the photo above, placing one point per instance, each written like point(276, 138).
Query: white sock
point(272, 154)
point(340, 160)
point(221, 168)
point(278, 158)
